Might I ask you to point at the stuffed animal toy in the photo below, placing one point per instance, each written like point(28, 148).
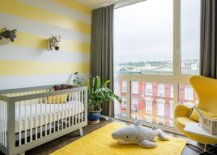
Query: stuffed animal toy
point(7, 34)
point(138, 134)
point(53, 43)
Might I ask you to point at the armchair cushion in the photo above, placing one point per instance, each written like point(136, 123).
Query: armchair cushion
point(184, 120)
point(195, 116)
point(182, 111)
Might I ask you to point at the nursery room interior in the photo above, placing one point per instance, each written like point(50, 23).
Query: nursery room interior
point(112, 77)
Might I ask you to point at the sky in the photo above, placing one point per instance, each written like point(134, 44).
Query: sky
point(144, 31)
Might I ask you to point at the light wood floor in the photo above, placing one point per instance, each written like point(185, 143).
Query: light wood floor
point(56, 144)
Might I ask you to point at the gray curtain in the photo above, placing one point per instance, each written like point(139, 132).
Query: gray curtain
point(102, 49)
point(208, 57)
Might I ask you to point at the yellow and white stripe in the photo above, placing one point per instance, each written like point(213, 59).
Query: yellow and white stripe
point(30, 26)
point(33, 54)
point(27, 62)
point(21, 81)
point(75, 6)
point(22, 9)
point(59, 9)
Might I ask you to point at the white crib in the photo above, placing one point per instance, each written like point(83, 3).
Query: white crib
point(30, 117)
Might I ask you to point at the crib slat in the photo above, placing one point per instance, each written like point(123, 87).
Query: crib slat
point(31, 120)
point(79, 98)
point(19, 122)
point(68, 112)
point(76, 116)
point(40, 115)
point(62, 116)
point(58, 113)
point(25, 122)
point(1, 122)
point(70, 105)
point(45, 121)
point(55, 122)
point(5, 123)
point(50, 116)
point(65, 115)
point(82, 114)
point(36, 119)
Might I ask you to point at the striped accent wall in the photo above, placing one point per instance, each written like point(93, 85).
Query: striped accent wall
point(26, 62)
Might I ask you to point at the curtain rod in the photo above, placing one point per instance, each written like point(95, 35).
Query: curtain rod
point(124, 3)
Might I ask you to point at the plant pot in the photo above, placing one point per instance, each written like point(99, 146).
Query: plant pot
point(93, 117)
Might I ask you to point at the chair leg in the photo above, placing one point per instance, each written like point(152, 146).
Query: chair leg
point(197, 148)
point(203, 151)
point(81, 132)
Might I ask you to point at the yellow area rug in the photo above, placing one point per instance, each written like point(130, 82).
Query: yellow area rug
point(100, 142)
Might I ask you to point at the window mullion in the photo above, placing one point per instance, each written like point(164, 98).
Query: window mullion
point(128, 110)
point(176, 46)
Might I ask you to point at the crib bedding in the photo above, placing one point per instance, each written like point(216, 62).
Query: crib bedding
point(37, 114)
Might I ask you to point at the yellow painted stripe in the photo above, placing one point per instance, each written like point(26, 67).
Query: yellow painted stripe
point(75, 5)
point(12, 68)
point(31, 40)
point(27, 11)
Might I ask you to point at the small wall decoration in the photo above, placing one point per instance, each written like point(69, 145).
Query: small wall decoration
point(7, 36)
point(53, 43)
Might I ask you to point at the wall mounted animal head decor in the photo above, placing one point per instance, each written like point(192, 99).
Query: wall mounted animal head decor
point(138, 134)
point(53, 43)
point(7, 35)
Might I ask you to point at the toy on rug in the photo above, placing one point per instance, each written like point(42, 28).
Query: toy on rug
point(138, 134)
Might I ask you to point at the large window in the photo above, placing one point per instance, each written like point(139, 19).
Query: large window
point(156, 48)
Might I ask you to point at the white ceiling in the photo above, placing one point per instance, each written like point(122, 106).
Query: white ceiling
point(98, 3)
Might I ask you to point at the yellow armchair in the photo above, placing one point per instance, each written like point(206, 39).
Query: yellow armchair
point(206, 90)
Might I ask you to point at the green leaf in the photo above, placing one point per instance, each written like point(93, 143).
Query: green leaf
point(106, 83)
point(98, 82)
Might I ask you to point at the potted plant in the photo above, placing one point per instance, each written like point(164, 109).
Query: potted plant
point(98, 93)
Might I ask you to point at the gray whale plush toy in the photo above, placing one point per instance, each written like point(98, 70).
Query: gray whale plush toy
point(138, 134)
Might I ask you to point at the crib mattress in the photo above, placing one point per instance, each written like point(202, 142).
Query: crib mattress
point(33, 115)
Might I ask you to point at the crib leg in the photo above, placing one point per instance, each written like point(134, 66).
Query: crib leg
point(81, 131)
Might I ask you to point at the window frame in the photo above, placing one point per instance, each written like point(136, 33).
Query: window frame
point(134, 102)
point(175, 79)
point(160, 110)
point(124, 103)
point(135, 87)
point(124, 86)
point(147, 89)
point(148, 103)
point(161, 90)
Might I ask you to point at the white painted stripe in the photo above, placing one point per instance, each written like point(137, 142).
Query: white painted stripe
point(11, 52)
point(59, 9)
point(34, 27)
point(12, 82)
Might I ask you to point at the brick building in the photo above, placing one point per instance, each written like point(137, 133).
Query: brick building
point(153, 102)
